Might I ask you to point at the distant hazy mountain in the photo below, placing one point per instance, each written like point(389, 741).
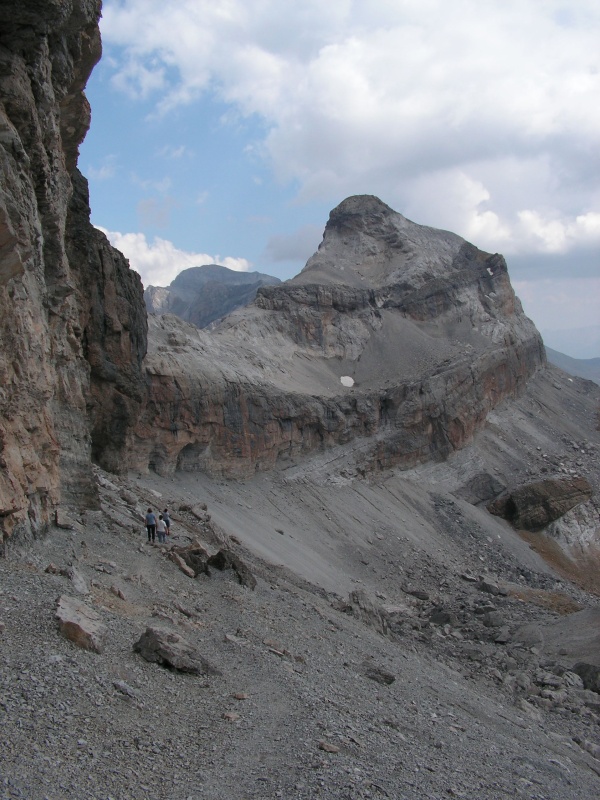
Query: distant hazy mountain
point(579, 343)
point(581, 367)
point(202, 295)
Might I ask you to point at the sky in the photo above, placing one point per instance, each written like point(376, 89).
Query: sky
point(225, 131)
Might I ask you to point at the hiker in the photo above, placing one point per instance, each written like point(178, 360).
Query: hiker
point(161, 529)
point(167, 520)
point(151, 525)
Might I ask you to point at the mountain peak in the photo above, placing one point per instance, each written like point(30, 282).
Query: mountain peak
point(368, 244)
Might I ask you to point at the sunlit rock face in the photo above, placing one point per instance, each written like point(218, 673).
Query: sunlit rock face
point(67, 299)
point(395, 340)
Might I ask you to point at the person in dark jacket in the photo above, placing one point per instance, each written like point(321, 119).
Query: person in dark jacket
point(151, 525)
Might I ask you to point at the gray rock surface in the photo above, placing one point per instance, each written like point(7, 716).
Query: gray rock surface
point(203, 295)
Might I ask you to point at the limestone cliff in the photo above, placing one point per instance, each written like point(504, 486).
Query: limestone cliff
point(71, 313)
point(396, 338)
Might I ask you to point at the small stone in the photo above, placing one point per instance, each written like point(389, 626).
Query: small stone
point(240, 696)
point(503, 635)
point(328, 748)
point(231, 716)
point(379, 675)
point(493, 619)
point(79, 582)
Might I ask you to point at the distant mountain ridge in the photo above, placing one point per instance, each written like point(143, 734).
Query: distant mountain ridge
point(580, 367)
point(203, 295)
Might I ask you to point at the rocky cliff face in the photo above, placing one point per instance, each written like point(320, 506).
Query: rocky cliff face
point(71, 313)
point(395, 337)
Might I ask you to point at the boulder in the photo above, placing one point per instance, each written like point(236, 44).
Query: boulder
point(360, 606)
point(589, 674)
point(225, 559)
point(80, 624)
point(535, 505)
point(167, 647)
point(194, 556)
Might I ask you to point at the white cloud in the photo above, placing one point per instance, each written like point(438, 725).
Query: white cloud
point(173, 152)
point(105, 171)
point(161, 186)
point(483, 116)
point(159, 262)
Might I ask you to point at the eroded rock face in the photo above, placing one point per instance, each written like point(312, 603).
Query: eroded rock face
point(393, 332)
point(49, 267)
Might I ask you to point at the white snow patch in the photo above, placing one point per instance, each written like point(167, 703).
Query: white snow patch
point(347, 380)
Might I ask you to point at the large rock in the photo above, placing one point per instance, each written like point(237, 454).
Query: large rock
point(80, 624)
point(225, 559)
point(68, 302)
point(423, 328)
point(535, 505)
point(589, 674)
point(166, 647)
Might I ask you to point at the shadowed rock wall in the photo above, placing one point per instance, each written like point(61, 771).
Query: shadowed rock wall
point(60, 282)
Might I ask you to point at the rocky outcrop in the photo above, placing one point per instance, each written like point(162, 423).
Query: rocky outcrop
point(203, 295)
point(537, 504)
point(395, 336)
point(60, 283)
